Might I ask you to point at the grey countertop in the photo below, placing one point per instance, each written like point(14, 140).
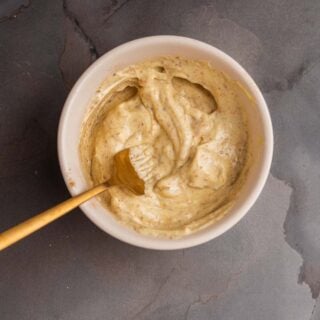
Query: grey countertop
point(266, 267)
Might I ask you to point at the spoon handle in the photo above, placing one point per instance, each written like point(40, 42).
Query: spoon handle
point(33, 224)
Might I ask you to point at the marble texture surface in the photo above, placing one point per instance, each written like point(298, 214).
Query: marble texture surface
point(266, 267)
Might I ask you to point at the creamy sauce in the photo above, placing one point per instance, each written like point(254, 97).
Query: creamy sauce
point(192, 130)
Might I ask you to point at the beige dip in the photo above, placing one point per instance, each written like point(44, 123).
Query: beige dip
point(187, 118)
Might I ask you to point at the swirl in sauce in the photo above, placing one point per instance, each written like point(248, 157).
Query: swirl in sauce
point(191, 127)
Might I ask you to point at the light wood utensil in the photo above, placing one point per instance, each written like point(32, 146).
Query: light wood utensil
point(124, 174)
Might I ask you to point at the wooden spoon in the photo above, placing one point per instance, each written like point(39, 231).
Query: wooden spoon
point(124, 173)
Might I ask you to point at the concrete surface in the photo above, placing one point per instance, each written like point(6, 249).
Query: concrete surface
point(267, 267)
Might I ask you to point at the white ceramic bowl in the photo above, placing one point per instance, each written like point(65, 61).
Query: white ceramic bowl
point(135, 51)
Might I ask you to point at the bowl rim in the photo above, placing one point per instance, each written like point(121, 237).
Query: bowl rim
point(214, 230)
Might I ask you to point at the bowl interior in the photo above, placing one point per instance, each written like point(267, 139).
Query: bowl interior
point(135, 51)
